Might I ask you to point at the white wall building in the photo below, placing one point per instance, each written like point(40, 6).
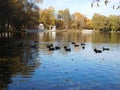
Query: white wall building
point(53, 28)
point(41, 26)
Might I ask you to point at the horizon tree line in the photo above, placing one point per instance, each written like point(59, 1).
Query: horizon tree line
point(63, 19)
point(104, 23)
point(25, 14)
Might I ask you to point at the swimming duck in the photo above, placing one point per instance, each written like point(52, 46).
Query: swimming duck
point(97, 51)
point(105, 49)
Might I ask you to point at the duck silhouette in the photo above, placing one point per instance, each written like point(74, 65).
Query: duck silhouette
point(97, 51)
point(83, 47)
point(50, 45)
point(73, 42)
point(105, 49)
point(76, 45)
point(68, 49)
point(51, 49)
point(82, 44)
point(57, 47)
point(65, 47)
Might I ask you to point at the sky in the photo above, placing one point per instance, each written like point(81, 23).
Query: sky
point(82, 6)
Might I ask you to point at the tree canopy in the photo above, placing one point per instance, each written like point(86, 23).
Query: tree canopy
point(101, 22)
point(18, 14)
point(22, 14)
point(47, 17)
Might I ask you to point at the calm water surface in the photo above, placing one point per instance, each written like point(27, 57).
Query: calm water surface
point(25, 67)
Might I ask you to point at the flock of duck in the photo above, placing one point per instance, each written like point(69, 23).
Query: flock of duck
point(100, 51)
point(51, 47)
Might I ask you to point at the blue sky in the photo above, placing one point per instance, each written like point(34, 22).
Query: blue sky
point(82, 6)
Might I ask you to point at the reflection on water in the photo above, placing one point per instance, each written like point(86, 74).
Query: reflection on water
point(27, 64)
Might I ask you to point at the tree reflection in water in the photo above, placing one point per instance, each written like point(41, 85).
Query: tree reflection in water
point(14, 60)
point(21, 60)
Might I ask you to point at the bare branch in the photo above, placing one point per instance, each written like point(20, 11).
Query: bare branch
point(91, 4)
point(106, 2)
point(97, 4)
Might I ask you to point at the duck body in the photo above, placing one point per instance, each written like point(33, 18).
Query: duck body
point(105, 49)
point(97, 51)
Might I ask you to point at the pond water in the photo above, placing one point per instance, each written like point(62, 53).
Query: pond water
point(27, 64)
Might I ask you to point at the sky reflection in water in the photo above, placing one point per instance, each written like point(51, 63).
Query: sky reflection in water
point(81, 69)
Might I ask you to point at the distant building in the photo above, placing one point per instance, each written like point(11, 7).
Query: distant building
point(53, 28)
point(41, 26)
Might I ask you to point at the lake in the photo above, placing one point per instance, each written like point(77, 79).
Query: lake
point(27, 64)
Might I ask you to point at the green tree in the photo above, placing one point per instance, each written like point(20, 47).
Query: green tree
point(47, 17)
point(89, 23)
point(5, 13)
point(78, 20)
point(64, 15)
point(114, 22)
point(17, 14)
point(59, 24)
point(100, 22)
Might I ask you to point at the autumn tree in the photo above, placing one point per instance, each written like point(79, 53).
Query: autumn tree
point(65, 17)
point(88, 24)
point(17, 14)
point(47, 17)
point(78, 20)
point(100, 22)
point(5, 13)
point(59, 24)
point(114, 22)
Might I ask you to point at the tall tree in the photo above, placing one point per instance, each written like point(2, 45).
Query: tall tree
point(5, 13)
point(79, 20)
point(88, 23)
point(47, 17)
point(17, 14)
point(65, 16)
point(100, 22)
point(114, 22)
point(59, 24)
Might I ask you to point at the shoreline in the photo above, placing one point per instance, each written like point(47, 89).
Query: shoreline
point(13, 31)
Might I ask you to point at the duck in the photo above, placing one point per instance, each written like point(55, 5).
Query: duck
point(57, 47)
point(76, 45)
point(83, 47)
point(82, 44)
point(51, 49)
point(105, 49)
point(65, 47)
point(97, 51)
point(73, 42)
point(68, 49)
point(50, 45)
